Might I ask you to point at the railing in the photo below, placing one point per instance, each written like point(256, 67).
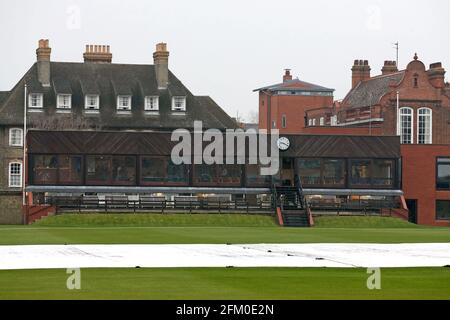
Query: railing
point(363, 206)
point(156, 204)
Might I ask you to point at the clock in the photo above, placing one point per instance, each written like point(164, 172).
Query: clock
point(283, 143)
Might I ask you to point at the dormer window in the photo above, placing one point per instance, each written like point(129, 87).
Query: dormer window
point(36, 100)
point(92, 102)
point(124, 103)
point(179, 103)
point(64, 101)
point(151, 103)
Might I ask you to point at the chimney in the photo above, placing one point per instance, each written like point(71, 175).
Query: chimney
point(389, 67)
point(287, 75)
point(360, 71)
point(97, 54)
point(43, 62)
point(436, 75)
point(161, 62)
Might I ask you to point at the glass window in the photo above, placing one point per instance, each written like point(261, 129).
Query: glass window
point(360, 172)
point(64, 101)
point(227, 174)
point(124, 103)
point(16, 137)
point(151, 103)
point(45, 170)
point(333, 172)
point(383, 172)
point(443, 173)
point(309, 171)
point(15, 175)
point(36, 100)
point(98, 169)
point(254, 177)
point(322, 121)
point(442, 209)
point(157, 170)
point(124, 169)
point(69, 169)
point(92, 102)
point(406, 130)
point(283, 121)
point(179, 104)
point(424, 126)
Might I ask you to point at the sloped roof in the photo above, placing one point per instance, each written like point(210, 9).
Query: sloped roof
point(109, 80)
point(295, 85)
point(343, 146)
point(369, 92)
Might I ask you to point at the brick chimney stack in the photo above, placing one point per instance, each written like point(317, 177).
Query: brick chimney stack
point(287, 75)
point(389, 67)
point(161, 62)
point(436, 74)
point(360, 71)
point(43, 62)
point(97, 54)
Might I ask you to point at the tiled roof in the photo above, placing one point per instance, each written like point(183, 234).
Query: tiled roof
point(295, 85)
point(369, 92)
point(109, 80)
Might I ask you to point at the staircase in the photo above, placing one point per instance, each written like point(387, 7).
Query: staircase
point(291, 206)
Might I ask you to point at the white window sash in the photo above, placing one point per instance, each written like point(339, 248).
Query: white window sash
point(63, 103)
point(14, 134)
point(179, 100)
point(121, 103)
point(15, 178)
point(36, 100)
point(151, 103)
point(88, 99)
point(427, 119)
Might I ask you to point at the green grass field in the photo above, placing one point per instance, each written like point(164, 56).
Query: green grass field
point(220, 283)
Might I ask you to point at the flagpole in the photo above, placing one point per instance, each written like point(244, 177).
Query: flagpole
point(24, 142)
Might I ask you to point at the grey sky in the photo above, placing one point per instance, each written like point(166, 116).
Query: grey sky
point(227, 48)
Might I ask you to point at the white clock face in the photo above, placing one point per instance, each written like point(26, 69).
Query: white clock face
point(283, 143)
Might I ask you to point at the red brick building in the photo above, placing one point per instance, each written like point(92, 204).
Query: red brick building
point(283, 105)
point(414, 104)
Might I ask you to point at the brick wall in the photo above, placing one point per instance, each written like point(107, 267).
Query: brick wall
point(11, 208)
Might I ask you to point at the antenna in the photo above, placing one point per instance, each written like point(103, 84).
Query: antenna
point(396, 49)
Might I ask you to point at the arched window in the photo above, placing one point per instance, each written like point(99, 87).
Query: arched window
point(15, 174)
point(16, 137)
point(424, 126)
point(406, 128)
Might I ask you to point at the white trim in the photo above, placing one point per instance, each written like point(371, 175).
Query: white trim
point(30, 101)
point(19, 174)
point(179, 109)
point(11, 144)
point(412, 123)
point(91, 107)
point(121, 108)
point(431, 124)
point(155, 100)
point(63, 107)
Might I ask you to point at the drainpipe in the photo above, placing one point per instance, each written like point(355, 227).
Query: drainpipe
point(398, 113)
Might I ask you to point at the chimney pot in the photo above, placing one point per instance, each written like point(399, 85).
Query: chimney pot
point(97, 54)
point(287, 75)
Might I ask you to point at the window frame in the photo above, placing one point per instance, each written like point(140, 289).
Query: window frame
point(11, 144)
point(400, 116)
point(148, 100)
point(437, 171)
point(183, 109)
point(283, 121)
point(41, 100)
point(91, 107)
point(430, 119)
point(120, 107)
point(20, 174)
point(436, 210)
point(63, 107)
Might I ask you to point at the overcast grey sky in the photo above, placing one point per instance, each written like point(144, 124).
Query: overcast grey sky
point(226, 49)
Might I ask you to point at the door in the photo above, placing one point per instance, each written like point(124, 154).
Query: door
point(287, 171)
point(412, 207)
